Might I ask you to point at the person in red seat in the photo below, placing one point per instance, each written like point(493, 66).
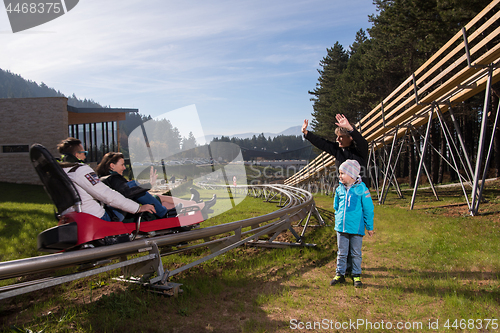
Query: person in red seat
point(110, 170)
point(92, 191)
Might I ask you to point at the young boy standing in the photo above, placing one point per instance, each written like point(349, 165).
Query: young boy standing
point(353, 214)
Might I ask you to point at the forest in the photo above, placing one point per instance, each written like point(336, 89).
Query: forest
point(283, 147)
point(403, 35)
point(15, 86)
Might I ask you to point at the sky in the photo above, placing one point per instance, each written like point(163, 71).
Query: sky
point(246, 65)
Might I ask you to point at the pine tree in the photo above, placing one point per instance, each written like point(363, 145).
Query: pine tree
point(326, 91)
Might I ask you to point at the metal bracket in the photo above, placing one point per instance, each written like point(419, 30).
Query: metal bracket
point(229, 241)
point(467, 51)
point(417, 101)
point(383, 113)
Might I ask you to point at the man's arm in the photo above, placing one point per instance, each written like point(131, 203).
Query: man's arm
point(361, 143)
point(87, 179)
point(323, 144)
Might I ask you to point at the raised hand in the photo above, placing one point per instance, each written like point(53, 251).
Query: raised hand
point(343, 122)
point(304, 126)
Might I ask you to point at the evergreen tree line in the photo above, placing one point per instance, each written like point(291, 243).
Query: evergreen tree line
point(279, 147)
point(15, 86)
point(404, 34)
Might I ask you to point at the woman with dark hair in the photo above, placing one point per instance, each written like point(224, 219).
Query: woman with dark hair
point(92, 191)
point(110, 171)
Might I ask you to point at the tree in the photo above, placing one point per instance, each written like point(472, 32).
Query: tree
point(404, 34)
point(189, 142)
point(326, 94)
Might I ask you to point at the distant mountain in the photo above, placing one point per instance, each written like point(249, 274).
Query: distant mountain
point(295, 130)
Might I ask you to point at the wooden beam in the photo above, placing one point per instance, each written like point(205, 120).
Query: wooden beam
point(90, 118)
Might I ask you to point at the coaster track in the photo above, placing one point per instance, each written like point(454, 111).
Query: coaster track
point(294, 206)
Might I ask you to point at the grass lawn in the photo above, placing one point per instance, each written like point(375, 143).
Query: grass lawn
point(426, 270)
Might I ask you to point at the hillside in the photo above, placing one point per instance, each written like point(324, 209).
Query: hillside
point(15, 86)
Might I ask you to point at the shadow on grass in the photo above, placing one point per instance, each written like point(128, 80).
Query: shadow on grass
point(431, 283)
point(23, 193)
point(13, 224)
point(495, 213)
point(328, 215)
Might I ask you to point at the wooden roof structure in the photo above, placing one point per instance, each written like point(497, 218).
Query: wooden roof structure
point(455, 73)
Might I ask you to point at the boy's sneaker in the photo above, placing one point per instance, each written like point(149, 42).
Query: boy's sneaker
point(337, 280)
point(356, 281)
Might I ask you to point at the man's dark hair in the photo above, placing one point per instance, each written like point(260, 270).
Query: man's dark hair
point(69, 146)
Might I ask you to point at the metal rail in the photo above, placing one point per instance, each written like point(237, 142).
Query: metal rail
point(296, 205)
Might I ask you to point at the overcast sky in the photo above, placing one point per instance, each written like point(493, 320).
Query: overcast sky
point(246, 65)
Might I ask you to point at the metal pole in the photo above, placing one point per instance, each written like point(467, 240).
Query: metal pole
point(422, 156)
point(147, 142)
point(375, 169)
point(113, 136)
point(427, 171)
point(466, 46)
point(487, 163)
point(394, 181)
point(85, 146)
point(96, 150)
point(393, 174)
point(368, 166)
point(417, 101)
point(469, 172)
point(388, 166)
point(445, 133)
point(482, 137)
point(103, 144)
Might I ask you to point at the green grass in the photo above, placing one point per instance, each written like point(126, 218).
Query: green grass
point(420, 266)
point(25, 210)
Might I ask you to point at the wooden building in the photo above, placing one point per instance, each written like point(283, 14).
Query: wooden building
point(48, 120)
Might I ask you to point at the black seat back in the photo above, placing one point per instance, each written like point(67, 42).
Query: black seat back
point(56, 182)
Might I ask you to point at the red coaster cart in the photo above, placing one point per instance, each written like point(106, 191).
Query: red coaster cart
point(77, 230)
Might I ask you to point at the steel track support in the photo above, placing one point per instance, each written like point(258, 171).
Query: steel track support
point(477, 193)
point(446, 134)
point(386, 171)
point(393, 170)
point(469, 172)
point(392, 177)
point(487, 163)
point(425, 168)
point(422, 157)
point(19, 289)
point(374, 179)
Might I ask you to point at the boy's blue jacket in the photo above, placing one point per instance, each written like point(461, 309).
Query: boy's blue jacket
point(353, 209)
